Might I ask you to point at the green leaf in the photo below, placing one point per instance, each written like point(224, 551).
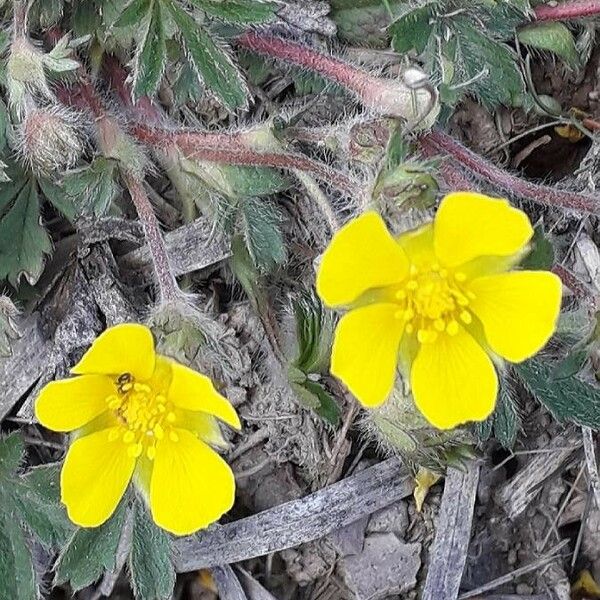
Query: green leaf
point(489, 65)
point(568, 400)
point(210, 59)
point(260, 225)
point(151, 57)
point(91, 552)
point(17, 576)
point(541, 255)
point(11, 454)
point(571, 364)
point(328, 409)
point(553, 36)
point(150, 564)
point(23, 240)
point(506, 418)
point(238, 11)
point(133, 13)
point(46, 13)
point(412, 29)
point(55, 194)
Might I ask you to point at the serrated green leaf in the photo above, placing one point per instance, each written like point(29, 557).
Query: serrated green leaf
point(243, 12)
point(24, 242)
point(210, 59)
point(412, 29)
point(571, 364)
point(541, 255)
point(133, 13)
point(56, 195)
point(489, 65)
point(483, 429)
point(506, 418)
point(568, 400)
point(11, 454)
point(17, 576)
point(91, 552)
point(150, 564)
point(261, 229)
point(554, 37)
point(151, 57)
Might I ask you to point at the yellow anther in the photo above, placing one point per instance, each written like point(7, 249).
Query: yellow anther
point(114, 434)
point(452, 328)
point(151, 452)
point(409, 313)
point(414, 270)
point(161, 408)
point(160, 399)
point(409, 328)
point(142, 388)
point(462, 300)
point(126, 387)
point(113, 402)
point(426, 336)
point(465, 317)
point(471, 295)
point(439, 324)
point(400, 295)
point(173, 436)
point(129, 437)
point(159, 432)
point(412, 285)
point(135, 450)
point(171, 417)
point(460, 276)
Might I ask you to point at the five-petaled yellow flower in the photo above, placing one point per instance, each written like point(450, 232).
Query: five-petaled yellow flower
point(136, 414)
point(441, 302)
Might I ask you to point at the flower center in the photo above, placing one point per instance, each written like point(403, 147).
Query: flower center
point(432, 301)
point(144, 415)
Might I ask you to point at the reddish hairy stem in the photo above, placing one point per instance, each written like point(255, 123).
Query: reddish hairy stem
point(567, 10)
point(232, 149)
point(581, 289)
point(438, 142)
point(167, 284)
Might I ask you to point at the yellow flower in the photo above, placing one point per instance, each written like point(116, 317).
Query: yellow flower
point(136, 414)
point(440, 301)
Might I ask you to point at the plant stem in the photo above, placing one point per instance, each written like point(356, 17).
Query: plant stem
point(233, 149)
point(567, 10)
point(438, 142)
point(167, 284)
point(20, 12)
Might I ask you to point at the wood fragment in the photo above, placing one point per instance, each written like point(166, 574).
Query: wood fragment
point(190, 248)
point(516, 494)
point(532, 566)
point(228, 585)
point(298, 521)
point(254, 590)
point(589, 449)
point(453, 534)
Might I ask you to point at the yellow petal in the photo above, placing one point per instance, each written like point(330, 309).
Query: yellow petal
point(362, 255)
point(125, 348)
point(469, 225)
point(518, 311)
point(365, 352)
point(205, 426)
point(418, 245)
point(453, 381)
point(191, 487)
point(192, 391)
point(94, 478)
point(72, 403)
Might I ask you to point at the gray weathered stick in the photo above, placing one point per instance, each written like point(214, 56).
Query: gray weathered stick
point(453, 533)
point(228, 584)
point(254, 590)
point(515, 495)
point(296, 522)
point(589, 448)
point(190, 248)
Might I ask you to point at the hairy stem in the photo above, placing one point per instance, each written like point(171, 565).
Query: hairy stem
point(438, 142)
point(167, 284)
point(567, 10)
point(412, 98)
point(233, 149)
point(20, 12)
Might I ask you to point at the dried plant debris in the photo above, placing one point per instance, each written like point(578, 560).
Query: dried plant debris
point(367, 229)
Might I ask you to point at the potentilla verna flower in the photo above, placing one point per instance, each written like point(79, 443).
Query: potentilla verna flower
point(441, 302)
point(137, 415)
